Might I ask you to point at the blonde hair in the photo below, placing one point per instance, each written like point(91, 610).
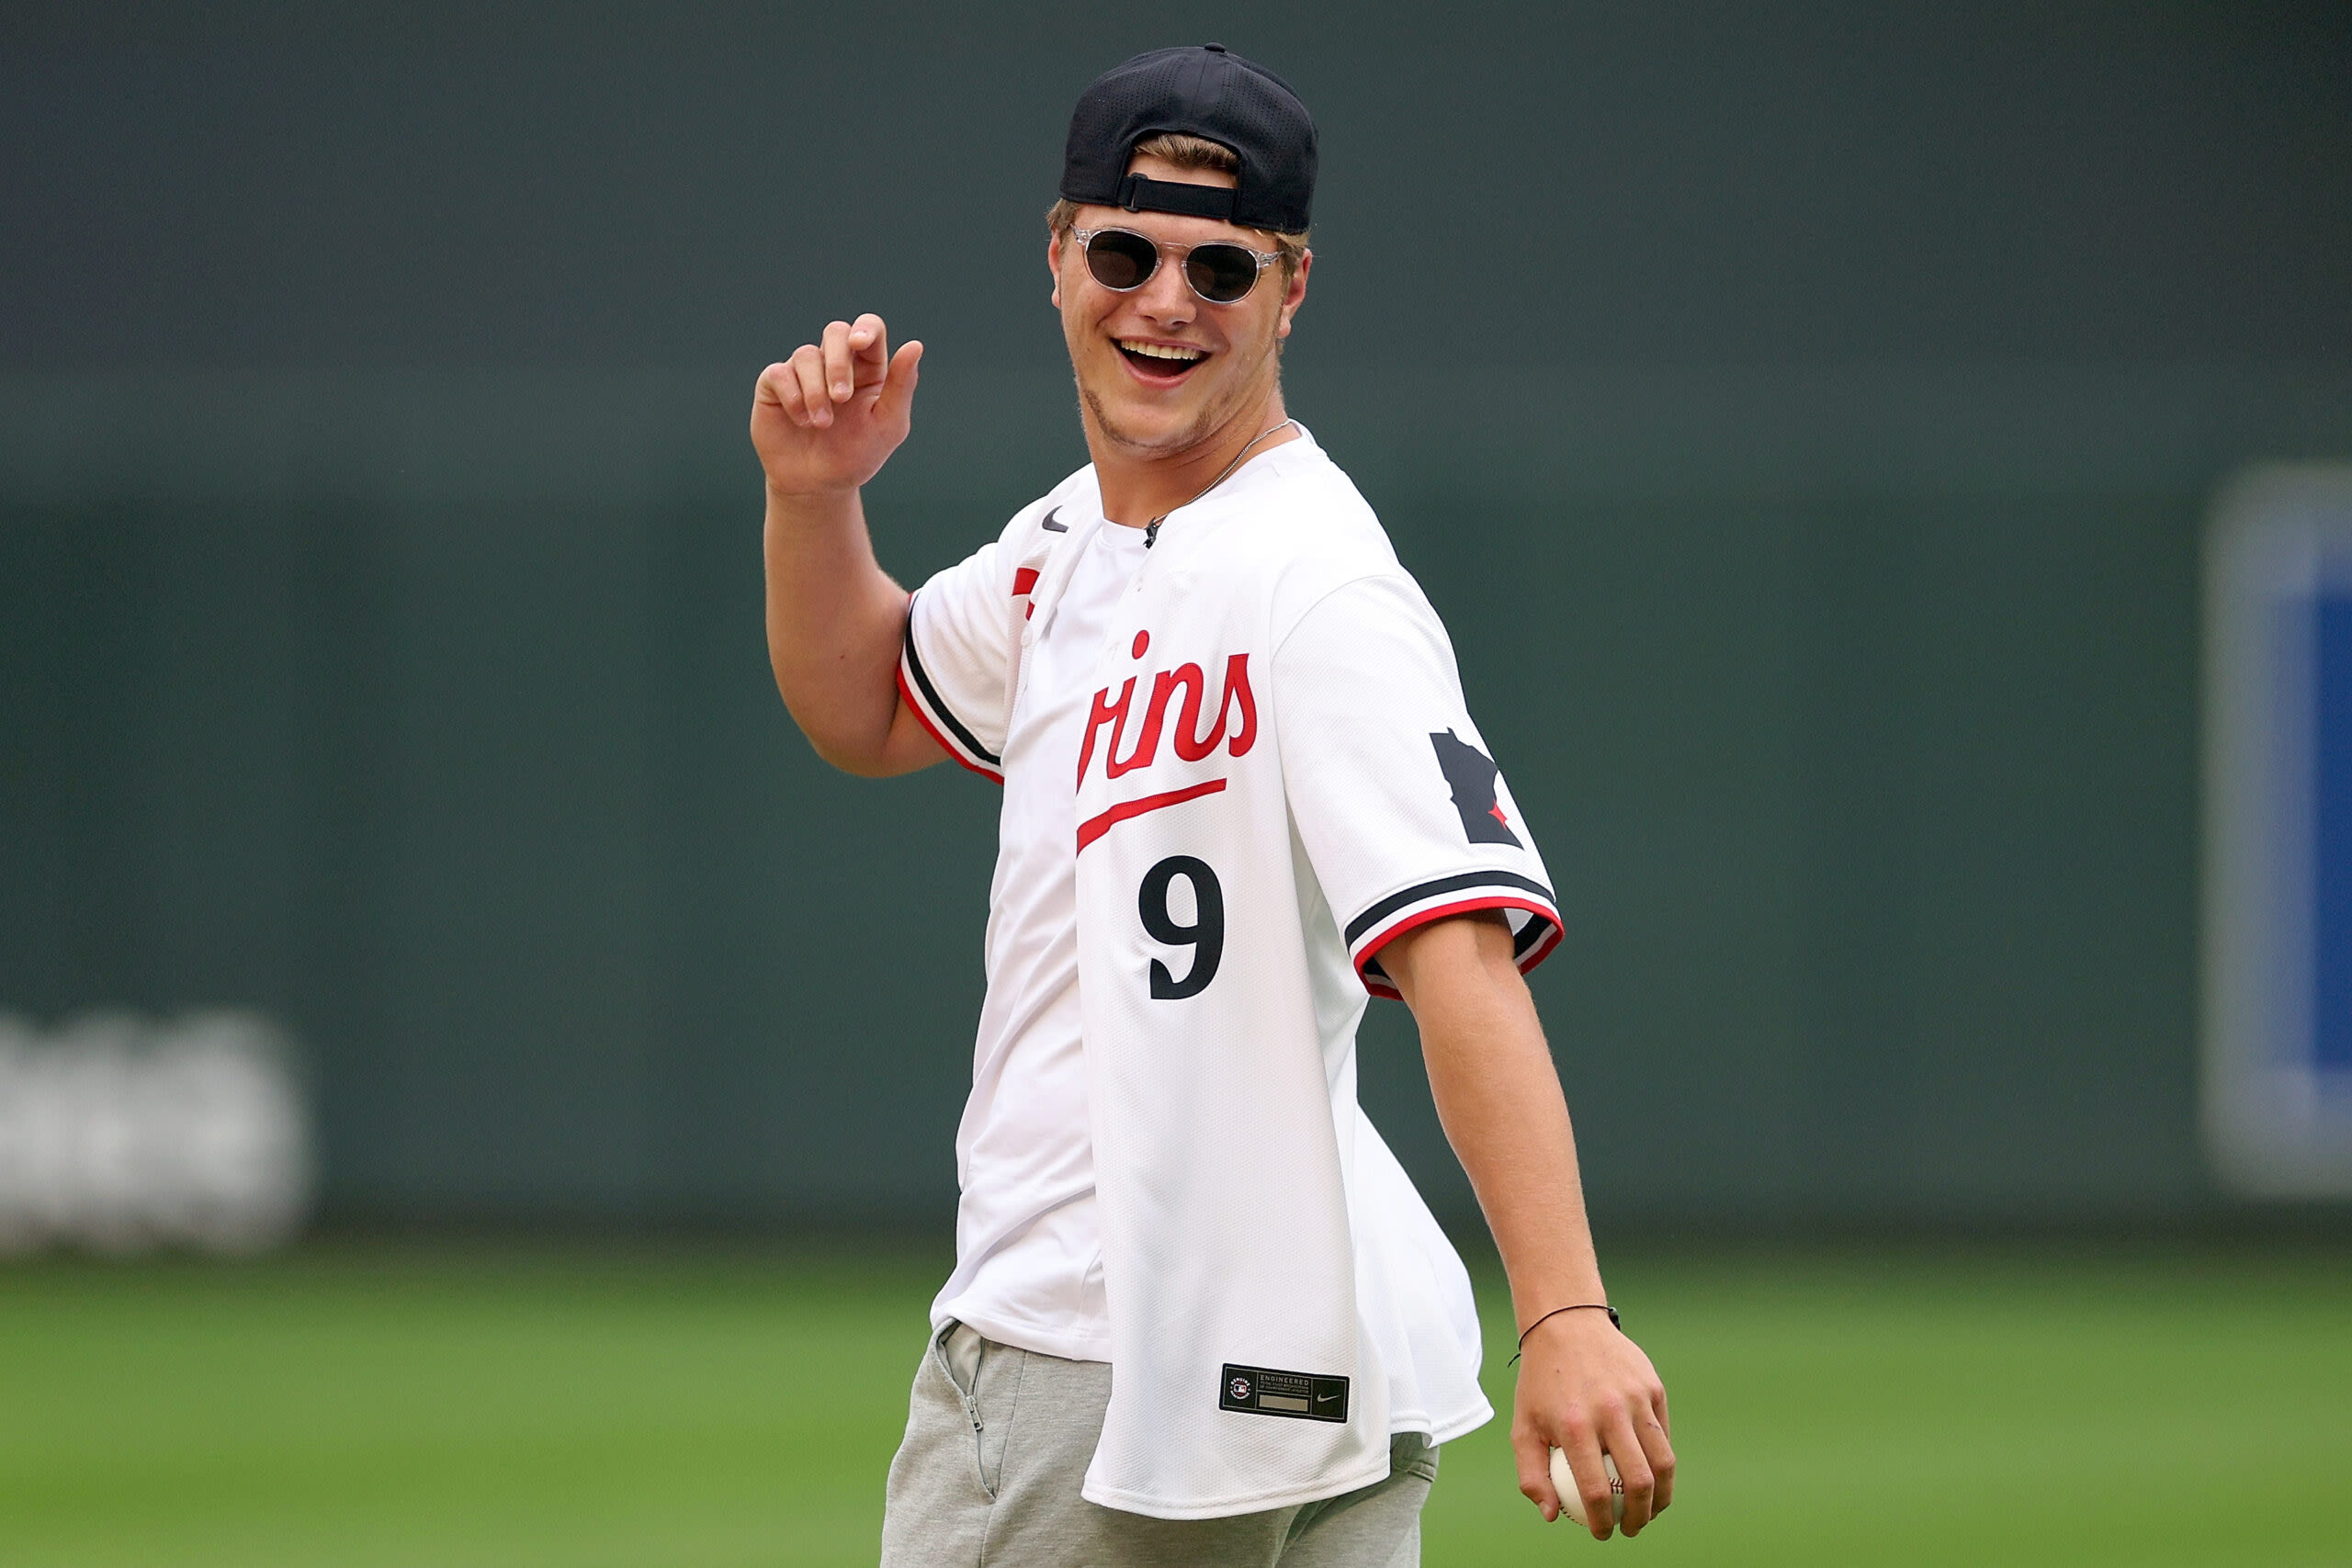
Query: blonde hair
point(1190, 152)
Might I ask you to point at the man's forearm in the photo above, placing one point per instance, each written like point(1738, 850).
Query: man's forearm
point(1498, 1097)
point(834, 620)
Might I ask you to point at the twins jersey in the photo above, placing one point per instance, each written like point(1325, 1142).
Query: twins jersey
point(1277, 774)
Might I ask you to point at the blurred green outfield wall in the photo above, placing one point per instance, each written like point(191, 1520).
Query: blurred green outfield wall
point(1855, 712)
point(1803, 415)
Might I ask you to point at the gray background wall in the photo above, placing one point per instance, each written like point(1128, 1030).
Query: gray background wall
point(1805, 420)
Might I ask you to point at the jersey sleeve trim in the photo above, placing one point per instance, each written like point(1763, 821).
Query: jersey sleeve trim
point(1418, 904)
point(954, 736)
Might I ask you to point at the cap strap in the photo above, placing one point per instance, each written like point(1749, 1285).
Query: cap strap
point(1141, 193)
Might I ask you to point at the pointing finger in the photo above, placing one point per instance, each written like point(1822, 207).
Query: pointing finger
point(839, 378)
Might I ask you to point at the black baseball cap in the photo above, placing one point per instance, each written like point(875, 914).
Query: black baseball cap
point(1205, 91)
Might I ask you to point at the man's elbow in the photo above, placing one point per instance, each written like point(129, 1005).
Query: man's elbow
point(856, 754)
point(860, 756)
point(869, 752)
point(862, 762)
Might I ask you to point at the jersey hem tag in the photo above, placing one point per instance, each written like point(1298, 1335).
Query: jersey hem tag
point(1297, 1396)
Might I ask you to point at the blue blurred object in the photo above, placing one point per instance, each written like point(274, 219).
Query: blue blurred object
point(2279, 887)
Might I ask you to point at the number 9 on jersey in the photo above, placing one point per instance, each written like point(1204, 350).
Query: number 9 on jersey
point(1205, 935)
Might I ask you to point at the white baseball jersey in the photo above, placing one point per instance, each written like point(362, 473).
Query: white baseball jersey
point(1276, 776)
point(1028, 1247)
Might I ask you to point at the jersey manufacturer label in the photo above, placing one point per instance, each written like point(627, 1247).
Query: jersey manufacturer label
point(1300, 1396)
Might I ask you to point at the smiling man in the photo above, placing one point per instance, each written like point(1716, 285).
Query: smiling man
point(1199, 1316)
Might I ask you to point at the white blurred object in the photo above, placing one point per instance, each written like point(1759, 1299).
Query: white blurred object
point(118, 1135)
point(19, 1229)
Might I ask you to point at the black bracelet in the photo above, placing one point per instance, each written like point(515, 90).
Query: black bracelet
point(1614, 1322)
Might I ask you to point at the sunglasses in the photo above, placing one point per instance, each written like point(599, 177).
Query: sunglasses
point(1220, 272)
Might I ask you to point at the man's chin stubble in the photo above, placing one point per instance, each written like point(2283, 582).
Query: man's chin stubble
point(1128, 441)
point(1206, 425)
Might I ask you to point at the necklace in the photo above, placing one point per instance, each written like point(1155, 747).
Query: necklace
point(1151, 529)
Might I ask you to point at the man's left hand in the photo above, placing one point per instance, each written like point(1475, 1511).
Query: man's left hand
point(1584, 1388)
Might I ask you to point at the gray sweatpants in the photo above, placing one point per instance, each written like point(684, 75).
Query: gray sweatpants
point(995, 1485)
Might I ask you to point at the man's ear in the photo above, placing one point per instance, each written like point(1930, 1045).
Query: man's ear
point(1054, 265)
point(1296, 295)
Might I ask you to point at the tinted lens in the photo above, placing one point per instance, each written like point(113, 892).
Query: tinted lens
point(1222, 273)
point(1120, 260)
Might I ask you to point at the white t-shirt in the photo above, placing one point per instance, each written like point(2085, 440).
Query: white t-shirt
point(1028, 1252)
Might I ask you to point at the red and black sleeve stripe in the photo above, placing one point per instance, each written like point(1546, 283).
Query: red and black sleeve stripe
point(1434, 900)
point(952, 733)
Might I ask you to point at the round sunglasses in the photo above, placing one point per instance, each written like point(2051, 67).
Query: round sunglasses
point(1220, 271)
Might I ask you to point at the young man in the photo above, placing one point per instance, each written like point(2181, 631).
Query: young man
point(1198, 1314)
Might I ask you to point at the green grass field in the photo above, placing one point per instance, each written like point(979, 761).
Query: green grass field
point(452, 1407)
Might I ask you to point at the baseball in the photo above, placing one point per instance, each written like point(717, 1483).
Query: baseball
point(1563, 1481)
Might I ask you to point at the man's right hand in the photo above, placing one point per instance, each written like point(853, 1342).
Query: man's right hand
point(826, 420)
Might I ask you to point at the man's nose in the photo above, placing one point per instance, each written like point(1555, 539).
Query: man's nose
point(1165, 297)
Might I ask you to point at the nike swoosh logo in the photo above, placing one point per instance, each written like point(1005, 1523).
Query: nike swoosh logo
point(1325, 1398)
point(1051, 526)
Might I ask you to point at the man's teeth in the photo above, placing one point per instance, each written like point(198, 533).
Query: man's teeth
point(1160, 351)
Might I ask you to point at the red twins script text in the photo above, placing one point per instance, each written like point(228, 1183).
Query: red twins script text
point(1234, 725)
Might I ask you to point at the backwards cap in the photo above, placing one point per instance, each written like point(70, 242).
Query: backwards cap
point(1202, 91)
